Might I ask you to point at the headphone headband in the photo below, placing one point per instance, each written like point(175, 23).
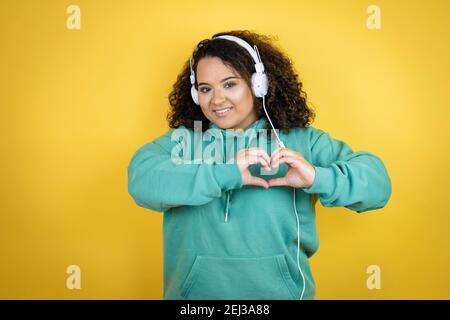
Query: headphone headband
point(253, 51)
point(259, 78)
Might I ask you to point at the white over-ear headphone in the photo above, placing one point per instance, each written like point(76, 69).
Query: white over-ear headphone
point(260, 83)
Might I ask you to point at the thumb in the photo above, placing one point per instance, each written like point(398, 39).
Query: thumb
point(277, 182)
point(258, 182)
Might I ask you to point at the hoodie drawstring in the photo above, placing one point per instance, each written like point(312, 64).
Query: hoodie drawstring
point(227, 206)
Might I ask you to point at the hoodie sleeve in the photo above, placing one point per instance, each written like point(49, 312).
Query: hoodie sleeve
point(158, 183)
point(356, 180)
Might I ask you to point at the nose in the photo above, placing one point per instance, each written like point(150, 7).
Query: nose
point(218, 97)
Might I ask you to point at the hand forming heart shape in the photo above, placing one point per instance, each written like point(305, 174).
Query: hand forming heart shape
point(300, 174)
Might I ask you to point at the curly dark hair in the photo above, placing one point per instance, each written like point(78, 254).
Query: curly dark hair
point(285, 99)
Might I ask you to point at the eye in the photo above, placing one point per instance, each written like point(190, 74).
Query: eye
point(229, 84)
point(204, 89)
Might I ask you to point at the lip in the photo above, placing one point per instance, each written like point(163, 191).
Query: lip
point(222, 114)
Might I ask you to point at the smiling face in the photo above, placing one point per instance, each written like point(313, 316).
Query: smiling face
point(225, 97)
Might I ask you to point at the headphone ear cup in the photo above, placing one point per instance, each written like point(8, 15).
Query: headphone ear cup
point(194, 94)
point(260, 84)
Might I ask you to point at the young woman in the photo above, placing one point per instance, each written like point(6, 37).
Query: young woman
point(239, 172)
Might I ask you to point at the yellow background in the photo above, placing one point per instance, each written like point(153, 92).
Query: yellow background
point(76, 105)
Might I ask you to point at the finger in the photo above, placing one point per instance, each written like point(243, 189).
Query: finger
point(275, 152)
point(258, 182)
point(291, 161)
point(276, 156)
point(253, 159)
point(260, 152)
point(245, 155)
point(277, 182)
point(285, 153)
point(263, 162)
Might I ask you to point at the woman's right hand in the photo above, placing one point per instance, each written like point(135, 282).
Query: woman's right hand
point(246, 157)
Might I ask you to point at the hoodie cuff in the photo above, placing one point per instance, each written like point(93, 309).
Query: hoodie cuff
point(228, 176)
point(322, 182)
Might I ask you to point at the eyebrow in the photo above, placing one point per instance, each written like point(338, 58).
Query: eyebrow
point(223, 80)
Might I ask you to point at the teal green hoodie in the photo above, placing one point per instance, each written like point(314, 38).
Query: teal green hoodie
point(223, 240)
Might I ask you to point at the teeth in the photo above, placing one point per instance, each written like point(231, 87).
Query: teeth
point(222, 111)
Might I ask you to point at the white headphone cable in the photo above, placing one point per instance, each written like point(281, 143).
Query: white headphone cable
point(295, 207)
point(264, 107)
point(298, 247)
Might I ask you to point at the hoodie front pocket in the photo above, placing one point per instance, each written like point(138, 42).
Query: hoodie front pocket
point(232, 278)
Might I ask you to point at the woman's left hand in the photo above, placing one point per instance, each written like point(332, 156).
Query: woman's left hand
point(300, 174)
